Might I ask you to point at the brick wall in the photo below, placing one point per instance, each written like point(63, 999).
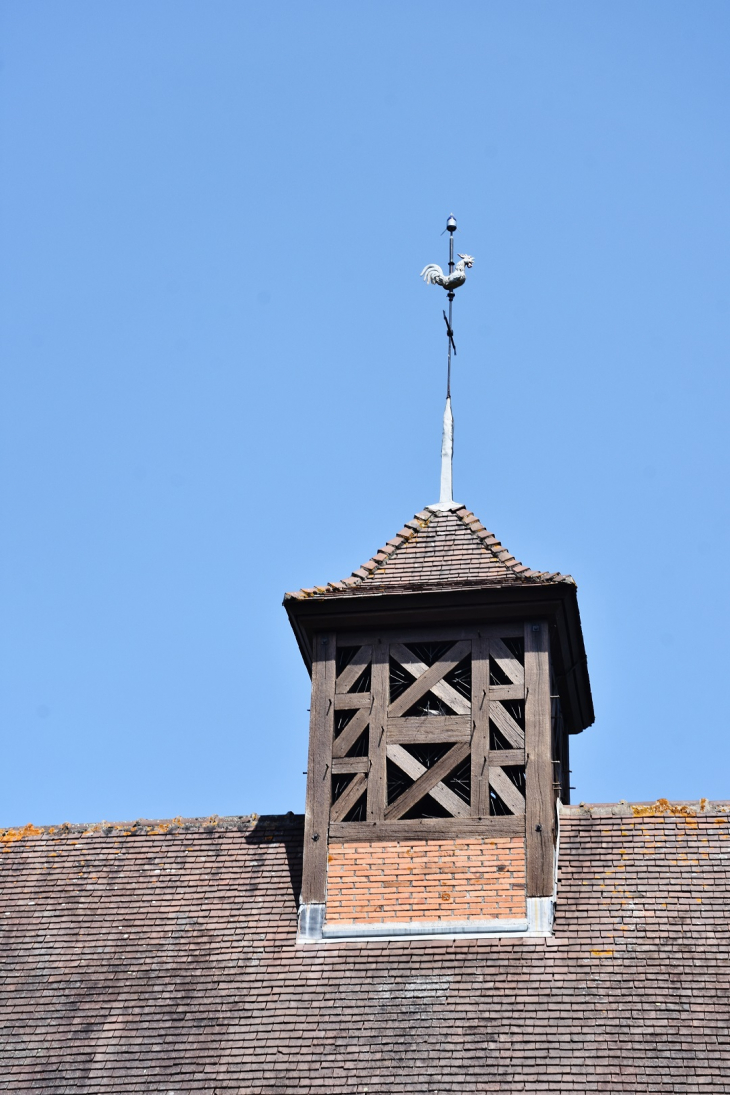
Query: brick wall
point(475, 878)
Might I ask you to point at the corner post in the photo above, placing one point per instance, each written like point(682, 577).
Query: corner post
point(319, 769)
point(539, 799)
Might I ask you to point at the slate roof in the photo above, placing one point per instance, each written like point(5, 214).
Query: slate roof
point(443, 549)
point(161, 958)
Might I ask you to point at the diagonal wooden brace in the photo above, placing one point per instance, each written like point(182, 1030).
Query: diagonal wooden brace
point(427, 781)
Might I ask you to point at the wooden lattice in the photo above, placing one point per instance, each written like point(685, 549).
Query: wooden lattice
point(474, 725)
point(438, 732)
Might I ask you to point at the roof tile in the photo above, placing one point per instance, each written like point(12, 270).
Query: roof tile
point(161, 956)
point(447, 549)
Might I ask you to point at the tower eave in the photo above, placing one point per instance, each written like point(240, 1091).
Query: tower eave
point(553, 600)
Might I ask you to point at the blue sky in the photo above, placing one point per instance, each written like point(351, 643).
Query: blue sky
point(223, 379)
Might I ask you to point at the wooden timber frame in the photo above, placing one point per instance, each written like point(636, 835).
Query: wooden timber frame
point(499, 728)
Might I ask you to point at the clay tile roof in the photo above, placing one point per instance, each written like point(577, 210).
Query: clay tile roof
point(438, 549)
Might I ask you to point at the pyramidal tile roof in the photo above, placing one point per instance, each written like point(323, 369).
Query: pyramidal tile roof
point(438, 549)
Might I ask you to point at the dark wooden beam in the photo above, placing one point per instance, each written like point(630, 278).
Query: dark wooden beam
point(480, 725)
point(319, 769)
point(539, 800)
point(508, 630)
point(436, 828)
point(380, 685)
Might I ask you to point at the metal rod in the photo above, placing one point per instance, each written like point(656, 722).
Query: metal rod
point(449, 338)
point(451, 301)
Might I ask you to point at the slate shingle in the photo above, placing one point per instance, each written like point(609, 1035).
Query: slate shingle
point(161, 958)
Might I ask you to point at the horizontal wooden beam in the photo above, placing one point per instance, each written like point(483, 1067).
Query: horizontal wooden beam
point(352, 699)
point(507, 691)
point(506, 758)
point(434, 634)
point(429, 728)
point(343, 766)
point(427, 828)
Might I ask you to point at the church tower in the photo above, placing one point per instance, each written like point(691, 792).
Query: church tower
point(447, 679)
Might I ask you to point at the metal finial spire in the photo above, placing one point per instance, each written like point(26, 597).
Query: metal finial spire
point(434, 275)
point(450, 228)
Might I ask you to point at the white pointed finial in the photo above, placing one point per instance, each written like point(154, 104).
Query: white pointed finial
point(446, 494)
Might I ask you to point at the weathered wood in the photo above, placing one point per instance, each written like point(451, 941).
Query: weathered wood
point(321, 732)
point(429, 728)
point(507, 662)
point(504, 722)
point(343, 766)
point(345, 741)
point(342, 806)
point(539, 814)
point(428, 828)
point(377, 780)
point(441, 793)
point(351, 699)
point(434, 634)
point(430, 679)
point(417, 668)
point(506, 790)
point(480, 726)
point(507, 691)
point(427, 781)
point(354, 669)
point(506, 758)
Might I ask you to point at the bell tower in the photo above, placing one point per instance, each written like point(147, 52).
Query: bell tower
point(447, 679)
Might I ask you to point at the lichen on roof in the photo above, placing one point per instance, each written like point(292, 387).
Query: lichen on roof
point(142, 827)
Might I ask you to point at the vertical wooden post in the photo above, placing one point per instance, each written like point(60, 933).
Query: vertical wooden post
point(380, 696)
point(480, 726)
point(539, 806)
point(319, 768)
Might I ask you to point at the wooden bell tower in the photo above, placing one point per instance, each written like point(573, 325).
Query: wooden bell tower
point(447, 679)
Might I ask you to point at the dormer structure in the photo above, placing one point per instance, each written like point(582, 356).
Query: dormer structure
point(447, 679)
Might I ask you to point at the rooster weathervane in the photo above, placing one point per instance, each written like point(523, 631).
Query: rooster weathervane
point(434, 275)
